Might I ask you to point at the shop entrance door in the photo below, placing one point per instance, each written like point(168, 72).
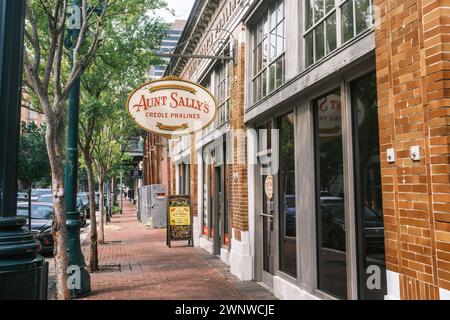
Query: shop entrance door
point(218, 208)
point(266, 214)
point(268, 236)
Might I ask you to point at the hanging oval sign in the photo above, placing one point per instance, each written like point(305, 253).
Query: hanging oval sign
point(268, 187)
point(172, 107)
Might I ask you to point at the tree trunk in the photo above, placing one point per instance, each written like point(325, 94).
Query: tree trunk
point(108, 203)
point(59, 212)
point(93, 260)
point(101, 237)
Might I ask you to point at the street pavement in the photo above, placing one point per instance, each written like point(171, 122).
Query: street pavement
point(136, 264)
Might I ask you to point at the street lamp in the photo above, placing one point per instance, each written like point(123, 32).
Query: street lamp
point(75, 256)
point(22, 270)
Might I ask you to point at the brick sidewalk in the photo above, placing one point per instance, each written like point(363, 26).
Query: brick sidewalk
point(137, 264)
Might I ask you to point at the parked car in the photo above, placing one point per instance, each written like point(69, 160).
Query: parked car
point(48, 198)
point(84, 197)
point(373, 231)
point(80, 206)
point(332, 222)
point(22, 196)
point(333, 225)
point(97, 200)
point(41, 222)
point(290, 215)
point(37, 193)
point(44, 197)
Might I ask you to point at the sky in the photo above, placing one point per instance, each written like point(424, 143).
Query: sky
point(182, 10)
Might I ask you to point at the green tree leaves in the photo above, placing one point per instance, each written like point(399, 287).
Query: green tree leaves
point(33, 160)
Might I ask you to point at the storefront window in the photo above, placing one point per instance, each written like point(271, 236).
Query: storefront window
point(369, 206)
point(211, 199)
point(205, 198)
point(207, 84)
point(226, 235)
point(185, 181)
point(331, 229)
point(184, 178)
point(286, 187)
point(268, 204)
point(228, 178)
point(268, 52)
point(321, 28)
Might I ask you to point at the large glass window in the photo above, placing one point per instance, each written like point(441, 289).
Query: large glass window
point(207, 84)
point(331, 230)
point(184, 179)
point(356, 16)
point(205, 197)
point(268, 51)
point(369, 206)
point(286, 187)
point(268, 204)
point(228, 178)
point(211, 190)
point(321, 28)
point(223, 93)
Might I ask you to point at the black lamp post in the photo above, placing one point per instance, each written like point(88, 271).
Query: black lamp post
point(75, 256)
point(22, 270)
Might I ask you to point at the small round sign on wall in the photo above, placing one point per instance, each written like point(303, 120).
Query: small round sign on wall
point(268, 187)
point(172, 107)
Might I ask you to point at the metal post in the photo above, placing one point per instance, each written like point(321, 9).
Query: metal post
point(29, 208)
point(22, 270)
point(75, 256)
point(121, 191)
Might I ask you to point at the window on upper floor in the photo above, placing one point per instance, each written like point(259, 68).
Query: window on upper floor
point(206, 83)
point(331, 23)
point(268, 61)
point(223, 93)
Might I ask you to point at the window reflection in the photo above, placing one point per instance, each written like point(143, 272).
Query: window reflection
point(321, 27)
point(331, 231)
point(265, 146)
point(268, 51)
point(288, 214)
point(369, 204)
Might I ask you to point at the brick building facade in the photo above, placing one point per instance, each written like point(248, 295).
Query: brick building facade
point(218, 188)
point(326, 172)
point(412, 71)
point(156, 161)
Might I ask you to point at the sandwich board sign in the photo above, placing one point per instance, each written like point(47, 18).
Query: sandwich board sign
point(179, 219)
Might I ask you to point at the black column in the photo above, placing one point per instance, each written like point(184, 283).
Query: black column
point(11, 51)
point(22, 271)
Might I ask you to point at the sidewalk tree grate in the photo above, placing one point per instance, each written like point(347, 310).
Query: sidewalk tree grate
point(105, 268)
point(112, 242)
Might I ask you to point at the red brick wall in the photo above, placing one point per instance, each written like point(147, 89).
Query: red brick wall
point(193, 177)
point(413, 65)
point(239, 184)
point(158, 171)
point(164, 166)
point(172, 181)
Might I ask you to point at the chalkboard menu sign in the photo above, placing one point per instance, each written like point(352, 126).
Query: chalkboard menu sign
point(179, 219)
